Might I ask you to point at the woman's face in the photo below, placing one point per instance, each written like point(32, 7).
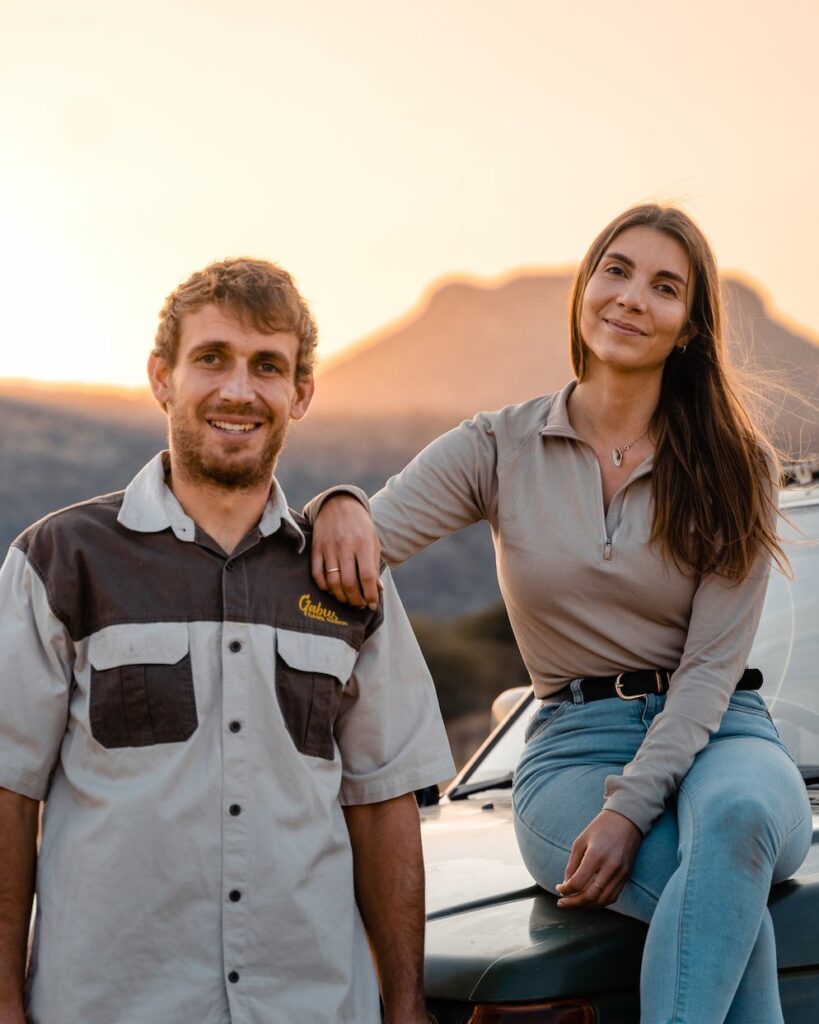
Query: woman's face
point(636, 305)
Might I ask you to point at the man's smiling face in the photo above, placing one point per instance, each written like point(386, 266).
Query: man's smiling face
point(229, 398)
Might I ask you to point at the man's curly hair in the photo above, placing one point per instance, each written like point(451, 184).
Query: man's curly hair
point(256, 292)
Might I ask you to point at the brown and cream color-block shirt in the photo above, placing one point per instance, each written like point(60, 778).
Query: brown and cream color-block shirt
point(195, 722)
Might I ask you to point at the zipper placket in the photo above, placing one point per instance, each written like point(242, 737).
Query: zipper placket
point(624, 490)
point(608, 553)
point(607, 549)
point(608, 539)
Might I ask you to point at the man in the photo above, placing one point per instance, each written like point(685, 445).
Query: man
point(224, 752)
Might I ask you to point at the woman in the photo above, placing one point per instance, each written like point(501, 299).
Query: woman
point(633, 516)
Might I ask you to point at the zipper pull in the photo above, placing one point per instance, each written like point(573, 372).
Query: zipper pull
point(607, 555)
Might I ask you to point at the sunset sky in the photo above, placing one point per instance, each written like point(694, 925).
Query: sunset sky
point(372, 147)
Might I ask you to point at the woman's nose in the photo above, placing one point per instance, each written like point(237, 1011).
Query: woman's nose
point(632, 296)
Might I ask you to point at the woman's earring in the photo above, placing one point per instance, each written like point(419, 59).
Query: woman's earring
point(681, 348)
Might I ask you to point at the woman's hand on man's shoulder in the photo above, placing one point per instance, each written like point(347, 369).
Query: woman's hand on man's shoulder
point(346, 552)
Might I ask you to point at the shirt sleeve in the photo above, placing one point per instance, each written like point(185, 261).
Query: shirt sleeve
point(724, 618)
point(37, 656)
point(315, 505)
point(389, 728)
point(451, 484)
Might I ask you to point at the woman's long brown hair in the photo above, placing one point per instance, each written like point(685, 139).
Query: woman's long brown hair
point(715, 475)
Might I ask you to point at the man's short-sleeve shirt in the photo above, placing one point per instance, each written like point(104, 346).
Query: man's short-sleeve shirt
point(196, 722)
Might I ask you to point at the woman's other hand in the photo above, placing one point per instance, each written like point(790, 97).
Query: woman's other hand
point(346, 554)
point(600, 863)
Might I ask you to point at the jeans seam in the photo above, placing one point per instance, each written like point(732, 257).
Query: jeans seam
point(783, 842)
point(540, 726)
point(534, 831)
point(792, 829)
point(759, 712)
point(678, 1001)
point(637, 885)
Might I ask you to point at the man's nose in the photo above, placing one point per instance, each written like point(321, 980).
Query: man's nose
point(237, 386)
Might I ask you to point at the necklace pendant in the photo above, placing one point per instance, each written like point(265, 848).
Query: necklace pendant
point(616, 456)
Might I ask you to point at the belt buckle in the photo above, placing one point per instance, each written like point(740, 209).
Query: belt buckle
point(636, 696)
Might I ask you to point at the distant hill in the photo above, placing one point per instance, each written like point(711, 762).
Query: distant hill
point(467, 347)
point(473, 346)
point(131, 407)
point(52, 456)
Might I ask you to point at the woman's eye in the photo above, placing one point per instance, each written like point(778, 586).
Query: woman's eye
point(615, 270)
point(667, 289)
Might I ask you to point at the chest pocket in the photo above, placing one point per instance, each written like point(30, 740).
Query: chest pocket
point(311, 672)
point(141, 685)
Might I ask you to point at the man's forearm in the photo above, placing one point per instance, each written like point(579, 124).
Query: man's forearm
point(389, 881)
point(18, 857)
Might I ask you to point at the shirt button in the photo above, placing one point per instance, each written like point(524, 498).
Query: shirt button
point(235, 646)
point(233, 977)
point(230, 566)
point(234, 895)
point(235, 810)
point(235, 727)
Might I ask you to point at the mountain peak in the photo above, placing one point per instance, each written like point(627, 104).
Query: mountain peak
point(474, 344)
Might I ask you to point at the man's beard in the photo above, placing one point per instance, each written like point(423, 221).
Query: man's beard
point(201, 466)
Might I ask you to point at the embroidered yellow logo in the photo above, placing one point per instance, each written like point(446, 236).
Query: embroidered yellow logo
point(318, 611)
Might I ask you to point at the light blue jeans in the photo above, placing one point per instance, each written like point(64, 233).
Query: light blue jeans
point(740, 821)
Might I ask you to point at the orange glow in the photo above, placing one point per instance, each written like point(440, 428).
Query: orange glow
point(372, 149)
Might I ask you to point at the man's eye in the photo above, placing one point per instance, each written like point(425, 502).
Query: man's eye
point(268, 368)
point(209, 358)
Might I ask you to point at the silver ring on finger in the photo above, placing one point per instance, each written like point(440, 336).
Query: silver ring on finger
point(328, 571)
point(596, 884)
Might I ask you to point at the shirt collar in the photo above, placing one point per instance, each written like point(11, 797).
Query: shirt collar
point(150, 506)
point(557, 418)
point(558, 425)
point(277, 514)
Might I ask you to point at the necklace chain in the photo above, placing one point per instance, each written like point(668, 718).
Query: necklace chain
point(617, 451)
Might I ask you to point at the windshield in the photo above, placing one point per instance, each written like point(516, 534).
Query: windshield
point(786, 649)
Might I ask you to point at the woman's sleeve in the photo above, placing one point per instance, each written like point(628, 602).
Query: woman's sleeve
point(451, 484)
point(724, 618)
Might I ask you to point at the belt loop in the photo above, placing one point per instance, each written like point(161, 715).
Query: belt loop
point(576, 687)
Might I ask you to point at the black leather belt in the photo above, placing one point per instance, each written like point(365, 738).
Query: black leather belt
point(641, 683)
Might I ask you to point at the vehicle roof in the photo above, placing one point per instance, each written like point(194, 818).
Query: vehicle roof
point(803, 484)
point(800, 494)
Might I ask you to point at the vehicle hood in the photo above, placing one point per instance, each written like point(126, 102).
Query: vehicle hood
point(471, 854)
point(493, 934)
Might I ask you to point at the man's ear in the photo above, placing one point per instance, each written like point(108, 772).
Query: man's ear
point(302, 397)
point(159, 377)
